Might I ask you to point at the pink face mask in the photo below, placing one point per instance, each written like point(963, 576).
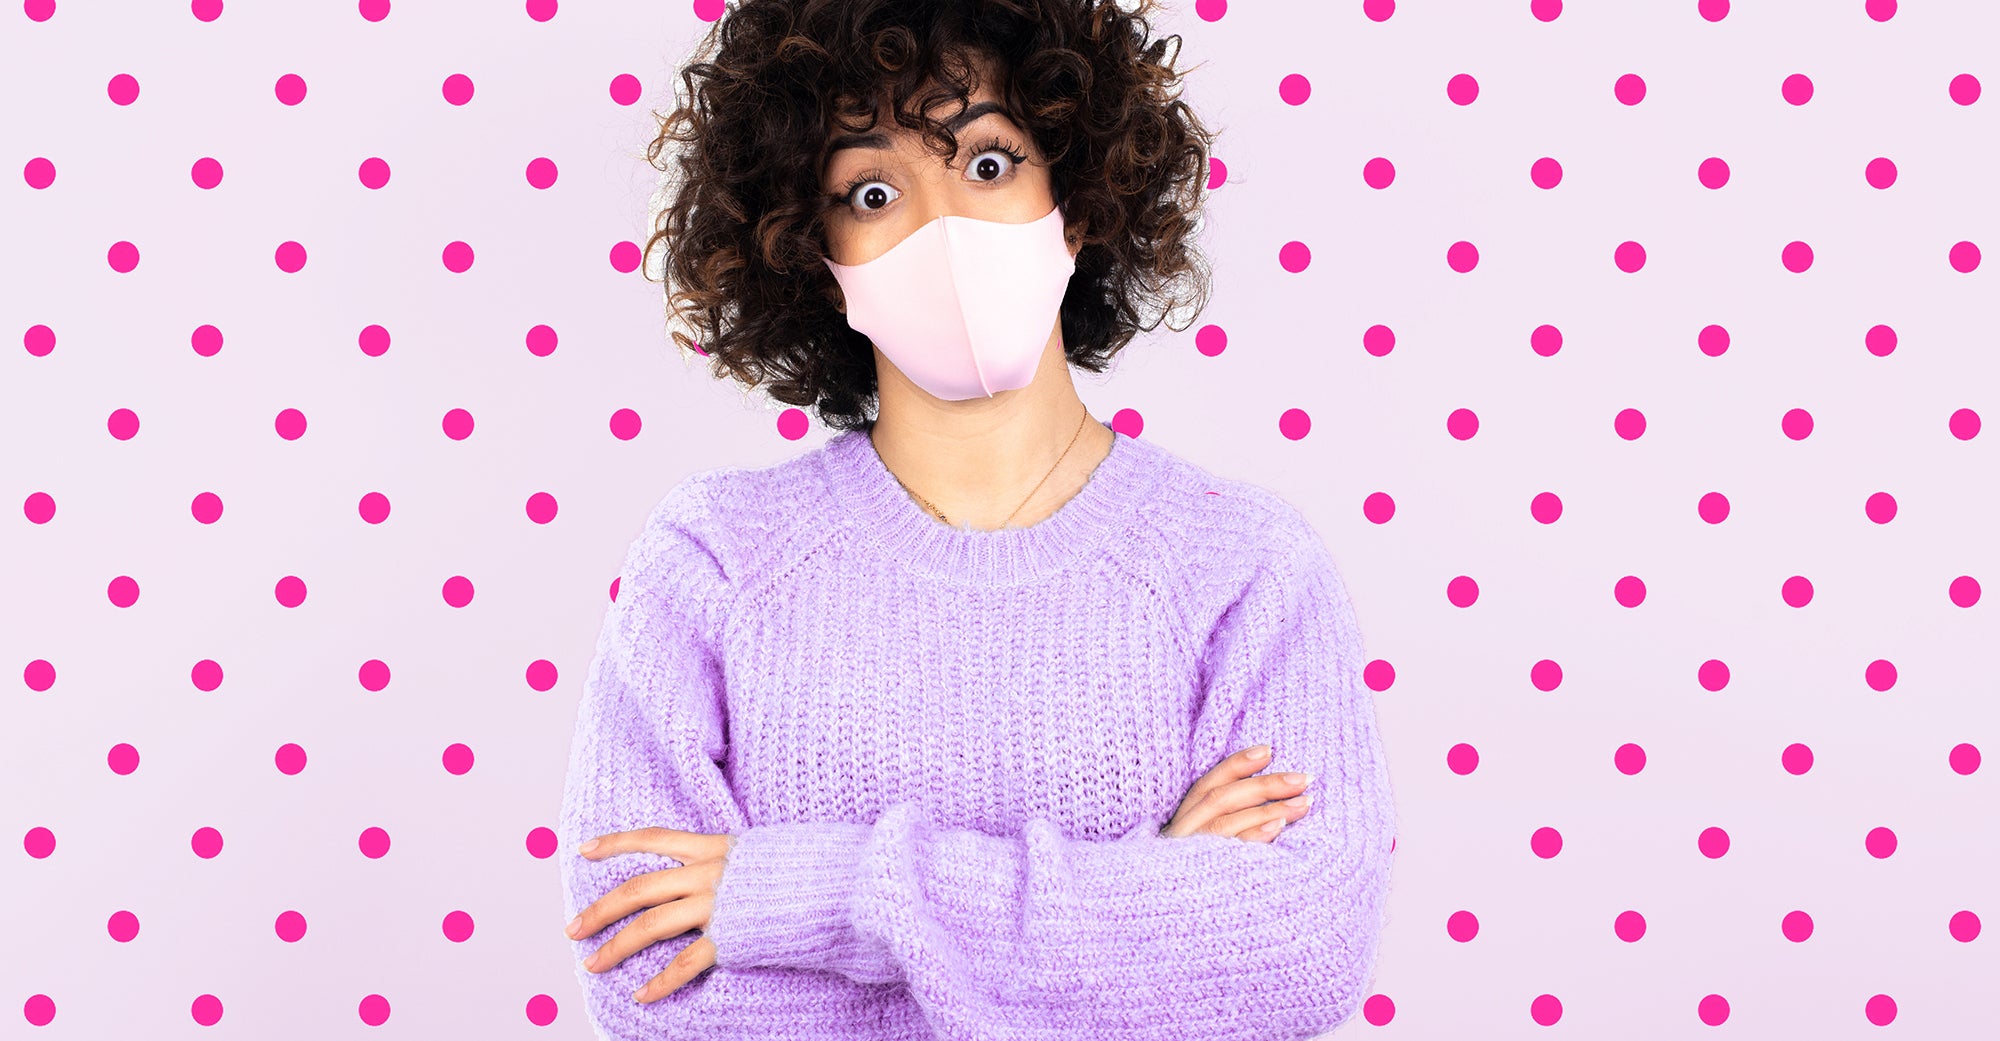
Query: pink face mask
point(963, 306)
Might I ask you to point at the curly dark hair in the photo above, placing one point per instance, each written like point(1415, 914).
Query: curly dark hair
point(743, 233)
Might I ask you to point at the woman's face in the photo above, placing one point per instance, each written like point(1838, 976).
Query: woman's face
point(888, 186)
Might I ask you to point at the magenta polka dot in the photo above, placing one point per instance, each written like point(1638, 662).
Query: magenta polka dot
point(1210, 340)
point(290, 257)
point(1964, 257)
point(1964, 927)
point(457, 257)
point(1797, 257)
point(1964, 424)
point(457, 759)
point(206, 340)
point(1880, 675)
point(373, 508)
point(626, 257)
point(1546, 508)
point(1797, 926)
point(1881, 1008)
point(39, 507)
point(541, 508)
point(1712, 1010)
point(1880, 340)
point(1629, 926)
point(290, 89)
point(290, 759)
point(206, 843)
point(1546, 843)
point(1461, 926)
point(541, 10)
point(373, 341)
point(1461, 759)
point(540, 1010)
point(541, 341)
point(1378, 10)
point(1462, 591)
point(39, 675)
point(122, 257)
point(541, 675)
point(541, 843)
point(1379, 675)
point(457, 927)
point(1713, 843)
point(1881, 10)
point(1796, 759)
point(373, 675)
point(1210, 10)
point(1713, 675)
point(1128, 421)
point(1294, 89)
point(1880, 173)
point(374, 10)
point(1546, 1010)
point(373, 1010)
point(1462, 89)
point(206, 1010)
point(1630, 89)
point(457, 424)
point(1712, 173)
point(206, 675)
point(38, 11)
point(457, 88)
point(1797, 89)
point(1629, 256)
point(1964, 591)
point(457, 591)
point(1797, 591)
point(793, 424)
point(1378, 508)
point(1881, 507)
point(1462, 256)
point(290, 591)
point(373, 173)
point(708, 10)
point(1546, 340)
point(122, 926)
point(1294, 424)
point(1545, 10)
point(1880, 843)
point(1378, 173)
point(373, 843)
point(1629, 759)
point(626, 89)
point(1546, 675)
point(1629, 424)
point(206, 173)
point(1379, 1010)
point(1713, 340)
point(1294, 256)
point(290, 424)
point(39, 843)
point(123, 591)
point(1629, 591)
point(1218, 173)
point(290, 926)
point(1378, 340)
point(1713, 508)
point(39, 340)
point(122, 89)
point(123, 424)
point(1964, 88)
point(1462, 424)
point(1797, 424)
point(1545, 173)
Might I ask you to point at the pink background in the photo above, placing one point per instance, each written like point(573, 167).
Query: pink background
point(1664, 537)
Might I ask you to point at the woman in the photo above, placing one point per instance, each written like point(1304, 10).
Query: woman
point(982, 720)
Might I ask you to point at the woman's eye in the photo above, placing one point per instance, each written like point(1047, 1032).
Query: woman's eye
point(990, 165)
point(872, 195)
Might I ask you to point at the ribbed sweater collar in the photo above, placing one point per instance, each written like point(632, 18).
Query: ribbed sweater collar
point(877, 505)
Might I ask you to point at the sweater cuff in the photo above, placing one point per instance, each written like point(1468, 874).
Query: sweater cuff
point(786, 896)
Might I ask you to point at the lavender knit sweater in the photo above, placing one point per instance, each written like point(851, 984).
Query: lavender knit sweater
point(948, 754)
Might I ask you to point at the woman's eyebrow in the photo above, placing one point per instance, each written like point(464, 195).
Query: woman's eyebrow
point(877, 139)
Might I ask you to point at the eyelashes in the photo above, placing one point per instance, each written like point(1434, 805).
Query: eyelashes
point(995, 144)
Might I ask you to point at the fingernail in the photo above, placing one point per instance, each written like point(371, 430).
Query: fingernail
point(587, 847)
point(1298, 800)
point(574, 924)
point(1260, 751)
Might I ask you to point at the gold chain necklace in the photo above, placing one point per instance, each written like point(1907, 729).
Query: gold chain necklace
point(1031, 492)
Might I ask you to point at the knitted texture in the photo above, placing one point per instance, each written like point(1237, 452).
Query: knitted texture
point(947, 755)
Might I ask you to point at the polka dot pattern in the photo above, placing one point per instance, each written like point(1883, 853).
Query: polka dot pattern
point(1642, 349)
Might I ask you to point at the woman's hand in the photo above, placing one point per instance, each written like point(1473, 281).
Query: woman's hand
point(676, 900)
point(1229, 801)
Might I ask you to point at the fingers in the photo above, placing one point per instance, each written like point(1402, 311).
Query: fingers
point(693, 960)
point(661, 922)
point(1213, 810)
point(1232, 767)
point(1262, 823)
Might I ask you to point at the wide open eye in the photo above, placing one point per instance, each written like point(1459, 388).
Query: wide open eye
point(871, 195)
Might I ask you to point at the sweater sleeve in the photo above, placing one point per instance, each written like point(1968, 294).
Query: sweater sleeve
point(1037, 935)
